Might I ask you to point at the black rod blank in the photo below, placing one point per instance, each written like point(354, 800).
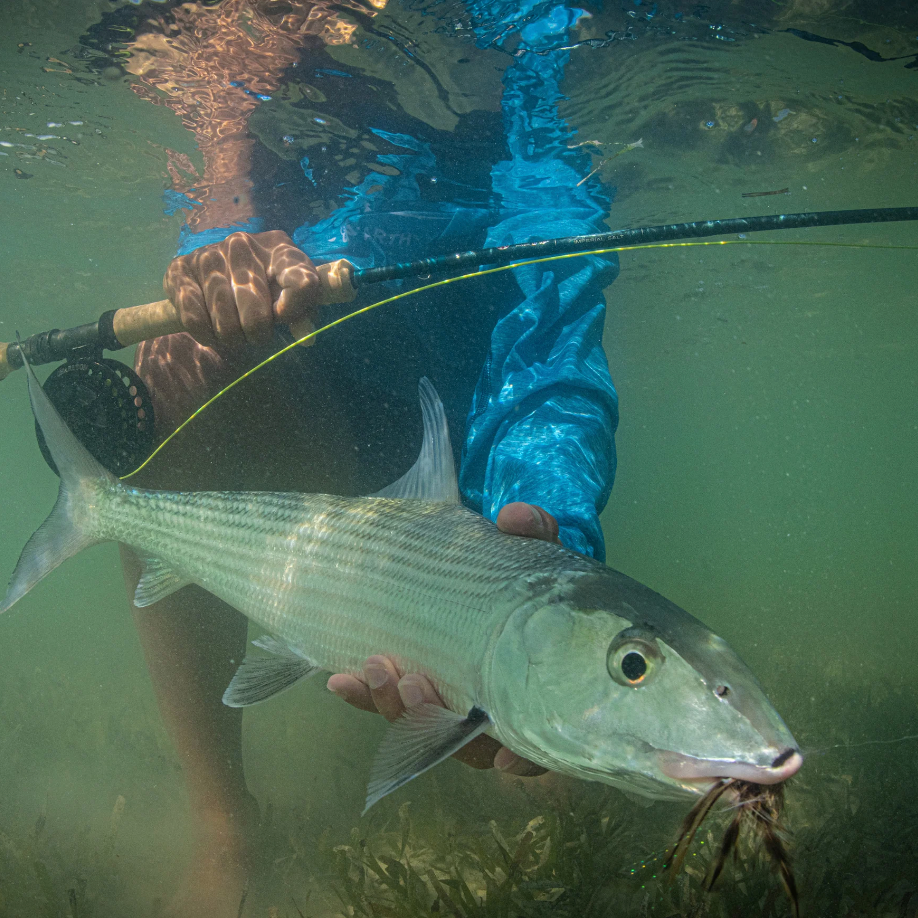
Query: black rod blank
point(505, 255)
point(58, 344)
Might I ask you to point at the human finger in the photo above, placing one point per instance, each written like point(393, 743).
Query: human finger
point(527, 520)
point(382, 678)
point(479, 753)
point(297, 284)
point(415, 689)
point(184, 290)
point(352, 690)
point(211, 265)
point(250, 299)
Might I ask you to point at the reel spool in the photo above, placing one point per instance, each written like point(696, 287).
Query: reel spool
point(108, 408)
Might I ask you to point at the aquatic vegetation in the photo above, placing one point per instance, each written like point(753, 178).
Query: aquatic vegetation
point(572, 850)
point(45, 876)
point(575, 862)
point(583, 850)
point(572, 860)
point(561, 863)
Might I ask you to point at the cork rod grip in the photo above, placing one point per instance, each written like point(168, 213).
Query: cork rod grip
point(153, 320)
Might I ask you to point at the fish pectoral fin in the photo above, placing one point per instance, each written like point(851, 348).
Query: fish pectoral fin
point(433, 476)
point(261, 678)
point(157, 581)
point(422, 737)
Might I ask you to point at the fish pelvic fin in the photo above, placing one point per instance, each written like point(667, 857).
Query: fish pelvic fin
point(261, 678)
point(421, 738)
point(157, 581)
point(433, 476)
point(69, 527)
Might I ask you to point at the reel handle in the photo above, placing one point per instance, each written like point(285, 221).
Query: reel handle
point(153, 320)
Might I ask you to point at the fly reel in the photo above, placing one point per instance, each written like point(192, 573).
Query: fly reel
point(108, 408)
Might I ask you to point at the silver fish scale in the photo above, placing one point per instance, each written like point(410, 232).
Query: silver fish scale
point(343, 578)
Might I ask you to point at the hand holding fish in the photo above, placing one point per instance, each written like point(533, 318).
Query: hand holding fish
point(384, 689)
point(235, 290)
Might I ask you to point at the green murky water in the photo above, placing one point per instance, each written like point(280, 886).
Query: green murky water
point(768, 454)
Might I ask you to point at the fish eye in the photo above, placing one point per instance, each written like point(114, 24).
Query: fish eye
point(634, 666)
point(633, 657)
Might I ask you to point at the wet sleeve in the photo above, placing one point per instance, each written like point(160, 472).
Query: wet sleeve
point(189, 240)
point(542, 424)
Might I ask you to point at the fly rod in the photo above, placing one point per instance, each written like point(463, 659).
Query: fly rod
point(340, 280)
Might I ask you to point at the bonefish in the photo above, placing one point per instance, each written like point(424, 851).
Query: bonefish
point(565, 661)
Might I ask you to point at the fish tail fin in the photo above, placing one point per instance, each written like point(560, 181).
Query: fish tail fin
point(70, 526)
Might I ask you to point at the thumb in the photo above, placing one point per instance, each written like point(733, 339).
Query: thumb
point(528, 520)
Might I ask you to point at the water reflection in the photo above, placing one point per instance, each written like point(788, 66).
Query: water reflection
point(212, 65)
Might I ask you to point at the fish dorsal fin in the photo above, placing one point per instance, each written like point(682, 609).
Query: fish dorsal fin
point(261, 678)
point(422, 737)
point(433, 476)
point(157, 581)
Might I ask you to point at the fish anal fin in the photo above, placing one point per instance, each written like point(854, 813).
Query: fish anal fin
point(157, 581)
point(433, 476)
point(420, 739)
point(260, 678)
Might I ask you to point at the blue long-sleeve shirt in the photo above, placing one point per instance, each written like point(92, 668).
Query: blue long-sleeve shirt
point(540, 422)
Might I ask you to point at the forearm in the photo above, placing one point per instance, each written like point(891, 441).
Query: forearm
point(213, 66)
point(542, 425)
point(561, 457)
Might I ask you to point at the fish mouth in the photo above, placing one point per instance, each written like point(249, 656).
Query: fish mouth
point(688, 769)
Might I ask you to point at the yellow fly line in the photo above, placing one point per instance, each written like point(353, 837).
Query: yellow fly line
point(482, 273)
